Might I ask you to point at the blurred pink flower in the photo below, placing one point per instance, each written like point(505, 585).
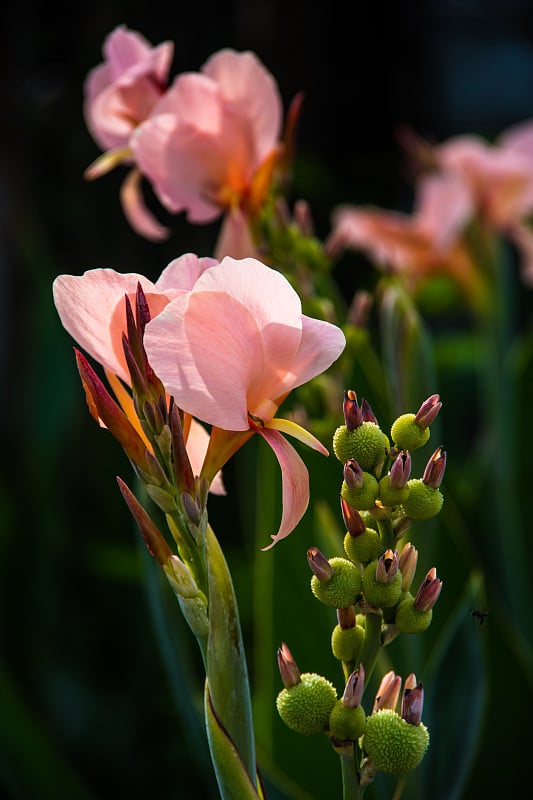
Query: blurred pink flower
point(500, 179)
point(210, 135)
point(92, 310)
point(230, 351)
point(121, 92)
point(415, 246)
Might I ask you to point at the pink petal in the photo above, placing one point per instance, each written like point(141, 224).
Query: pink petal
point(91, 308)
point(183, 272)
point(197, 442)
point(295, 483)
point(252, 90)
point(136, 212)
point(235, 238)
point(321, 344)
point(444, 206)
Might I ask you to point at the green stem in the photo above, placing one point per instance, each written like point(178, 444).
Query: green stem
point(351, 789)
point(372, 643)
point(386, 533)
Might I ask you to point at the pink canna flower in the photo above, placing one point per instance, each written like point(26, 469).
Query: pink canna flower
point(230, 351)
point(211, 137)
point(92, 310)
point(119, 95)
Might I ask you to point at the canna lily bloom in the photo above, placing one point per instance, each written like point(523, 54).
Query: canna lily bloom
point(415, 246)
point(212, 141)
point(119, 94)
point(500, 179)
point(92, 310)
point(230, 351)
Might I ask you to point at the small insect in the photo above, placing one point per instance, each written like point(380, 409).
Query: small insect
point(480, 615)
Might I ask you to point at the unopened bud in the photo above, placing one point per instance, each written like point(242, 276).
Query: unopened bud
point(353, 691)
point(290, 674)
point(353, 475)
point(400, 470)
point(434, 470)
point(407, 565)
point(352, 519)
point(412, 701)
point(428, 411)
point(387, 567)
point(388, 692)
point(353, 416)
point(429, 592)
point(319, 565)
point(191, 509)
point(367, 413)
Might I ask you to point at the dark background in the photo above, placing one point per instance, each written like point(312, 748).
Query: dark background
point(84, 696)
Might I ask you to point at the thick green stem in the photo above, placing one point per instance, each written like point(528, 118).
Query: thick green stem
point(351, 789)
point(372, 643)
point(386, 533)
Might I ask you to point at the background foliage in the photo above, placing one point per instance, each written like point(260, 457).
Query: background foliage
point(88, 697)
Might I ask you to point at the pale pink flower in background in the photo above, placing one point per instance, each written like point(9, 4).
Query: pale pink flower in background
point(210, 135)
point(119, 95)
point(92, 310)
point(121, 92)
point(500, 179)
point(230, 350)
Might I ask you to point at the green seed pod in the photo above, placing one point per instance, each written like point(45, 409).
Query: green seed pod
point(346, 643)
point(347, 723)
point(392, 497)
point(408, 619)
point(363, 548)
point(363, 498)
point(423, 502)
point(343, 587)
point(393, 745)
point(306, 707)
point(366, 444)
point(381, 595)
point(406, 434)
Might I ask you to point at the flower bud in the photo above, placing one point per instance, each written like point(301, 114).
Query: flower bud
point(352, 519)
point(306, 706)
point(353, 691)
point(408, 562)
point(290, 674)
point(388, 691)
point(401, 470)
point(429, 592)
point(382, 581)
point(353, 416)
point(368, 414)
point(347, 718)
point(344, 586)
point(354, 476)
point(365, 489)
point(412, 700)
point(367, 444)
point(319, 564)
point(434, 470)
point(428, 411)
point(393, 745)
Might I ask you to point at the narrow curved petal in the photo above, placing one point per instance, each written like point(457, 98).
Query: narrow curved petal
point(136, 212)
point(295, 483)
point(293, 429)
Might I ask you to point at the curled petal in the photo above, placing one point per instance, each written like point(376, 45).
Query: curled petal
point(136, 212)
point(295, 483)
point(295, 430)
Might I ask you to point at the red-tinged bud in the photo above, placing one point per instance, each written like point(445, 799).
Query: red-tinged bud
point(353, 474)
point(400, 471)
point(319, 565)
point(367, 413)
point(183, 473)
point(412, 700)
point(352, 519)
point(388, 692)
point(104, 408)
point(290, 674)
point(353, 416)
point(137, 376)
point(434, 471)
point(154, 540)
point(153, 416)
point(387, 567)
point(429, 591)
point(142, 312)
point(346, 617)
point(355, 686)
point(407, 565)
point(428, 411)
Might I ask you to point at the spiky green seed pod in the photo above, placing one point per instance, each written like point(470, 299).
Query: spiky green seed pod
point(366, 444)
point(346, 643)
point(392, 497)
point(343, 587)
point(407, 435)
point(363, 498)
point(381, 595)
point(393, 745)
point(423, 501)
point(408, 619)
point(363, 548)
point(306, 707)
point(347, 723)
